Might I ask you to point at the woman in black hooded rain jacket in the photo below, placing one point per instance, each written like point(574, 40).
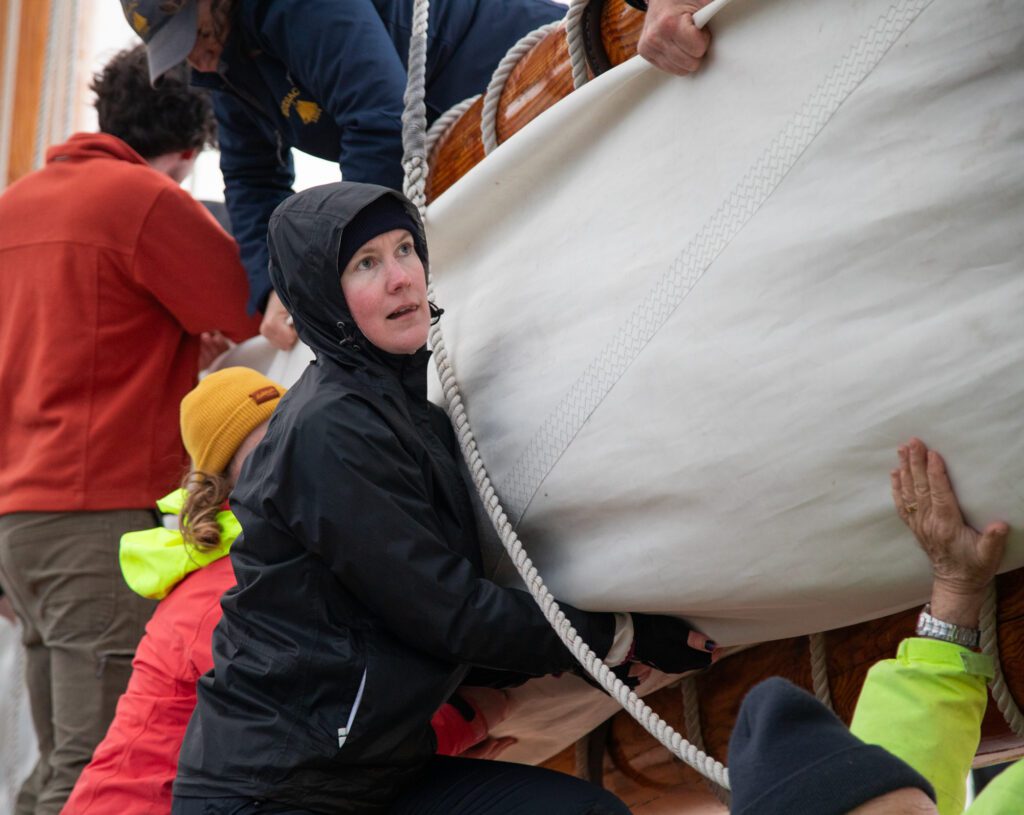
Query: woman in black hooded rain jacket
point(360, 604)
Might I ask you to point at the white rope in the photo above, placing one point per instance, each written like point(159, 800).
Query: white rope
point(492, 96)
point(691, 710)
point(414, 162)
point(8, 72)
point(819, 669)
point(695, 728)
point(414, 115)
point(443, 122)
point(575, 38)
point(47, 90)
point(990, 645)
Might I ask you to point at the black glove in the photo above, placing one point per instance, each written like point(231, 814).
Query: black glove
point(621, 671)
point(661, 642)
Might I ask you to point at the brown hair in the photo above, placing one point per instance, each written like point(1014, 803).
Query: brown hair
point(168, 118)
point(205, 496)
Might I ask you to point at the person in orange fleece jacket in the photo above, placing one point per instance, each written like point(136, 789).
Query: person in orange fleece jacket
point(113, 281)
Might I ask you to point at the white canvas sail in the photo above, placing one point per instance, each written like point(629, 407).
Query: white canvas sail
point(692, 318)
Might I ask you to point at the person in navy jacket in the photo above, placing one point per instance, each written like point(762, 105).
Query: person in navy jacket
point(322, 76)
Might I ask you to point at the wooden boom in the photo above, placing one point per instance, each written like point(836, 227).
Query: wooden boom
point(539, 80)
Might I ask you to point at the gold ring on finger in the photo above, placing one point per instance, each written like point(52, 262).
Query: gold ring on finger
point(910, 508)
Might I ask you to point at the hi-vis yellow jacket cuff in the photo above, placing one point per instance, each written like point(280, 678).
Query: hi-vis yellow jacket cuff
point(925, 706)
point(154, 561)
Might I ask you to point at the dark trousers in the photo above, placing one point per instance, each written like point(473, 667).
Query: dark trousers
point(80, 625)
point(456, 786)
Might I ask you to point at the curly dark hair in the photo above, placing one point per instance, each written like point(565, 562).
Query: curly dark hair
point(153, 121)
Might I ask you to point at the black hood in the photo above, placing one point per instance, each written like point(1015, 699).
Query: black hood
point(304, 237)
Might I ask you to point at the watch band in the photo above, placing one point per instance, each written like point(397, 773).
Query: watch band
point(936, 629)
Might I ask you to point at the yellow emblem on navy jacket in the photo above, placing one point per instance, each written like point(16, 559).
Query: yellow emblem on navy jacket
point(308, 111)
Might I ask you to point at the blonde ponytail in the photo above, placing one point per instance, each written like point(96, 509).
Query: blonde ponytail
point(205, 497)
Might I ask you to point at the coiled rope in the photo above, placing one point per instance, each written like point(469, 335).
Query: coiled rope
point(819, 669)
point(415, 165)
point(446, 120)
point(492, 96)
point(990, 645)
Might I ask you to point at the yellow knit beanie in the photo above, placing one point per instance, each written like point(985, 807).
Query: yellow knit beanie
point(221, 411)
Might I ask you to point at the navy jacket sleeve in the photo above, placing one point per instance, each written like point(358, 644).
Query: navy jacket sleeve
point(357, 499)
point(345, 58)
point(255, 182)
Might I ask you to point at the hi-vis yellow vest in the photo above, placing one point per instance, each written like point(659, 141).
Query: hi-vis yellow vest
point(154, 561)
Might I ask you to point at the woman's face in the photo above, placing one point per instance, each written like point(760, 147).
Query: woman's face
point(212, 28)
point(385, 287)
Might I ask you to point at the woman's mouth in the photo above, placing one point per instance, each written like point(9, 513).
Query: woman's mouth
point(404, 311)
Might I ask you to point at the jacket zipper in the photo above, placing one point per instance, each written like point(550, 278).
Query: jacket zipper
point(344, 731)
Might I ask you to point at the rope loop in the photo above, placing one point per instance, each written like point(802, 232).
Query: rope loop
point(990, 645)
point(576, 38)
point(819, 669)
point(492, 96)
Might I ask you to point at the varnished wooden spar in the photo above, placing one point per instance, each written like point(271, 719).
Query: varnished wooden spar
point(540, 79)
point(638, 766)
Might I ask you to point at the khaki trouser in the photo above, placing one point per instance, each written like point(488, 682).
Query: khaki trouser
point(81, 624)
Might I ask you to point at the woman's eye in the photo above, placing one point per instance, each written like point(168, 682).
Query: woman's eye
point(405, 249)
point(365, 264)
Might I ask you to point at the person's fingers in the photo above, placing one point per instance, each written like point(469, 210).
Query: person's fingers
point(940, 489)
point(692, 40)
point(668, 60)
point(673, 43)
point(906, 480)
point(700, 642)
point(918, 456)
point(278, 332)
point(897, 496)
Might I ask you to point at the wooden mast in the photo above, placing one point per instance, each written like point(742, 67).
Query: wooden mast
point(42, 77)
point(30, 43)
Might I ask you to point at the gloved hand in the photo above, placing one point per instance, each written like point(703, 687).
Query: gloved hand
point(669, 644)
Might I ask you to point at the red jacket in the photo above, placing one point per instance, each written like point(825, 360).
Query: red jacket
point(109, 271)
point(133, 768)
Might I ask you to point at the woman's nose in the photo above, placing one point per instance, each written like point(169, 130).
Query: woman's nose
point(398, 276)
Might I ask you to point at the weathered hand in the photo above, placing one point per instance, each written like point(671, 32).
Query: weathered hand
point(277, 324)
point(963, 560)
point(669, 40)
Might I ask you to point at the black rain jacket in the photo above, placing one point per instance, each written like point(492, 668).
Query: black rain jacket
point(360, 603)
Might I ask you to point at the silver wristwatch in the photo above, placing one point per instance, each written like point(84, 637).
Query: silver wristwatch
point(933, 628)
